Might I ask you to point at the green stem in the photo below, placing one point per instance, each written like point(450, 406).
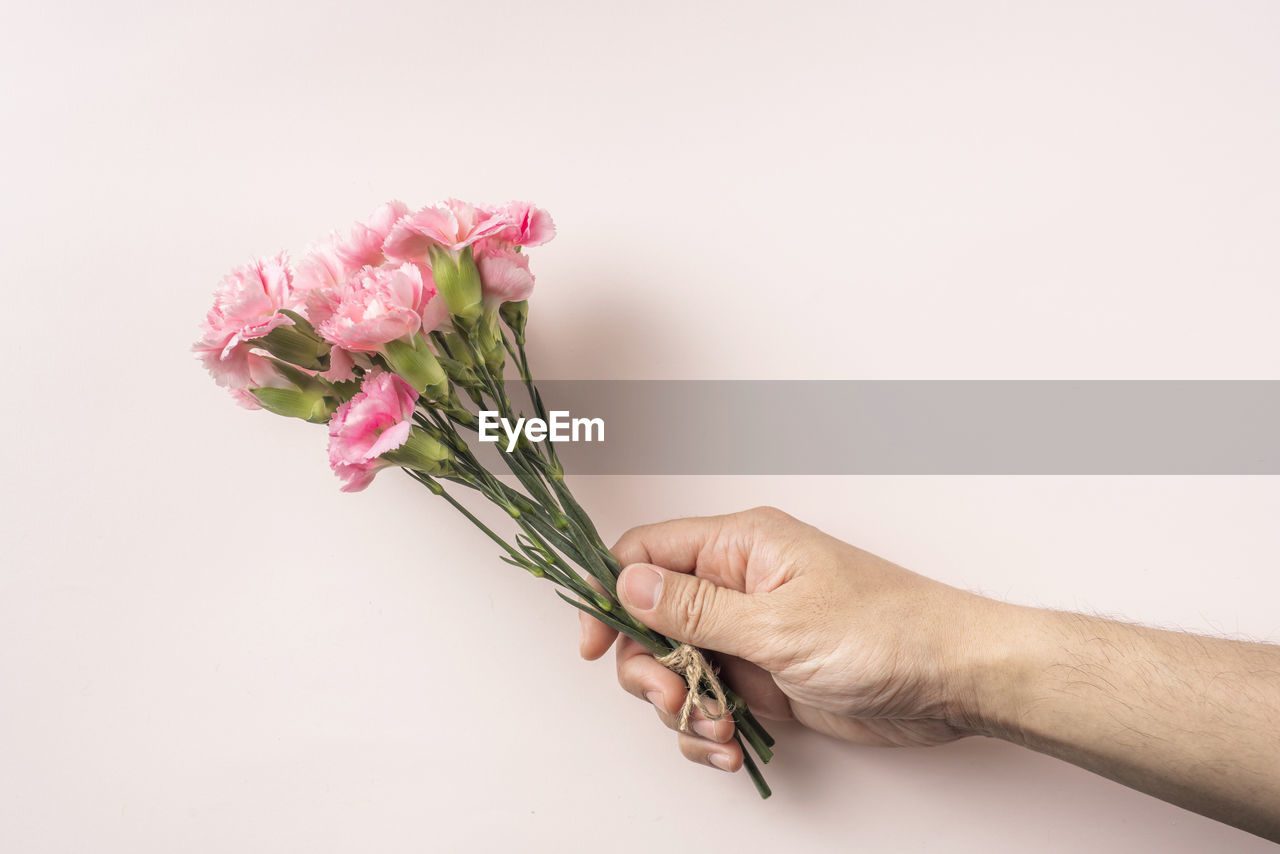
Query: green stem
point(753, 770)
point(558, 527)
point(436, 487)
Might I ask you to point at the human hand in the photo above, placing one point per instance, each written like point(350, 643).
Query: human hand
point(806, 627)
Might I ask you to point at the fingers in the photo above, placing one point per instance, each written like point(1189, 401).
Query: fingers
point(726, 757)
point(695, 610)
point(642, 676)
point(594, 637)
point(718, 730)
point(756, 686)
point(725, 549)
point(716, 547)
point(675, 544)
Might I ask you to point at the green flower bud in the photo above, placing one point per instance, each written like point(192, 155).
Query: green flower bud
point(516, 315)
point(458, 372)
point(459, 349)
point(309, 404)
point(450, 440)
point(489, 342)
point(454, 409)
point(423, 453)
point(458, 280)
point(418, 366)
point(298, 344)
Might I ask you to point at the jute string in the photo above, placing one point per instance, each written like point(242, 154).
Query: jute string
point(689, 662)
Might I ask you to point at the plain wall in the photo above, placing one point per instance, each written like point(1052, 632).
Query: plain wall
point(204, 646)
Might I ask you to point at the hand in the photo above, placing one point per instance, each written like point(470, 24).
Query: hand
point(851, 645)
point(807, 627)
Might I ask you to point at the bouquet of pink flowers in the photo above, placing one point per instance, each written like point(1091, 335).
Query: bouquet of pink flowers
point(397, 334)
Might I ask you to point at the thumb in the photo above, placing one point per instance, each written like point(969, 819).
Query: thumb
point(692, 610)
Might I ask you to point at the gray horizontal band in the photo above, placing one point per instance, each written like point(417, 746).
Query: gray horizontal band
point(920, 427)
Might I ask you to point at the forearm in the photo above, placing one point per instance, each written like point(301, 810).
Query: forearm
point(1189, 719)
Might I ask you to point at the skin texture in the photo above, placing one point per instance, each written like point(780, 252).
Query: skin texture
point(810, 628)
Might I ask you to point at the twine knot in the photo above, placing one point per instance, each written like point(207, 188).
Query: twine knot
point(689, 662)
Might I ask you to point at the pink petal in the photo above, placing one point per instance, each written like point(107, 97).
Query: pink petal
point(390, 439)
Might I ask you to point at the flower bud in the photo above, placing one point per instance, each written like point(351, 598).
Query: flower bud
point(455, 410)
point(459, 349)
point(515, 315)
point(422, 453)
point(489, 342)
point(458, 280)
point(309, 404)
point(298, 344)
point(459, 372)
point(418, 366)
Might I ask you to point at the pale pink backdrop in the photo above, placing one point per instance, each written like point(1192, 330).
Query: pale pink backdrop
point(205, 647)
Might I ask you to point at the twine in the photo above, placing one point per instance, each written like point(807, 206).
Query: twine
point(689, 662)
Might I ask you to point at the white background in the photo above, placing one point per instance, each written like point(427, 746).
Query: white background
point(204, 646)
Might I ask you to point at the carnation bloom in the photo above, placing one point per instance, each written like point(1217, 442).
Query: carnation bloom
point(335, 259)
point(376, 306)
point(246, 306)
point(363, 246)
point(504, 276)
point(342, 366)
point(452, 224)
point(320, 267)
point(377, 420)
point(321, 302)
point(325, 270)
point(530, 225)
point(328, 265)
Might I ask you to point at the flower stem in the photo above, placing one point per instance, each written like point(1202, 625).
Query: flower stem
point(556, 527)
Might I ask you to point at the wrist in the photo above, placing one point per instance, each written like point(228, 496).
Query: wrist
point(1003, 649)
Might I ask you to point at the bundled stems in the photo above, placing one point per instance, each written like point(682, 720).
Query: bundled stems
point(556, 531)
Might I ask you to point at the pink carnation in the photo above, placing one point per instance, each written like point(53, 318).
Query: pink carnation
point(376, 306)
point(377, 420)
point(363, 246)
point(320, 267)
point(504, 275)
point(335, 259)
point(530, 225)
point(246, 306)
point(452, 224)
point(342, 366)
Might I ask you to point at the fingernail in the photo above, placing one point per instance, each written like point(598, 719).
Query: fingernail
point(654, 697)
point(723, 761)
point(643, 587)
point(582, 636)
point(705, 728)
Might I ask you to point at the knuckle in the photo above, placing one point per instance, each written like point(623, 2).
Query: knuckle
point(767, 513)
point(696, 606)
point(690, 748)
point(626, 674)
point(632, 687)
point(628, 542)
